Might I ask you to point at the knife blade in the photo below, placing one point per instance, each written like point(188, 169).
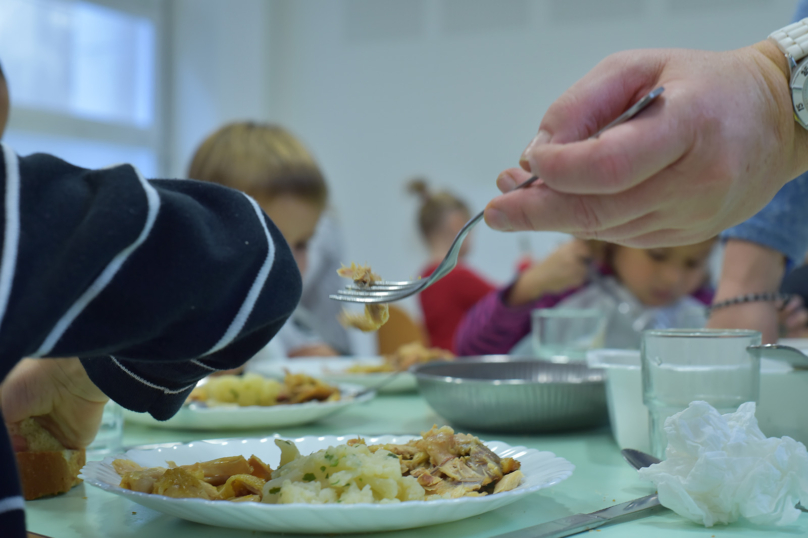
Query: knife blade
point(569, 525)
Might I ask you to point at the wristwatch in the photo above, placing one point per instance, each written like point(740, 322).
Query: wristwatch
point(793, 41)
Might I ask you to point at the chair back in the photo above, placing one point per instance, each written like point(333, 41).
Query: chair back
point(400, 329)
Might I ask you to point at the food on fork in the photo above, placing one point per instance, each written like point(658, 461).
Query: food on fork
point(46, 467)
point(403, 359)
point(375, 314)
point(253, 389)
point(439, 465)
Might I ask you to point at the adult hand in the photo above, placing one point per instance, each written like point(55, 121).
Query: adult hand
point(708, 154)
point(793, 319)
point(59, 394)
point(565, 268)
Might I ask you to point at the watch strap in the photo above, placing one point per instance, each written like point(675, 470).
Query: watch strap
point(793, 39)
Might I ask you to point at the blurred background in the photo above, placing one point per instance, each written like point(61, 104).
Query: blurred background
point(379, 90)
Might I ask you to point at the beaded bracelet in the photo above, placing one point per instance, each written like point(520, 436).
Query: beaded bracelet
point(767, 296)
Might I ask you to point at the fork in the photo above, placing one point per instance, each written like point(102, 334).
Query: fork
point(387, 291)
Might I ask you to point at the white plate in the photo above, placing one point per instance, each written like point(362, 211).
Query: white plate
point(233, 417)
point(333, 371)
point(541, 470)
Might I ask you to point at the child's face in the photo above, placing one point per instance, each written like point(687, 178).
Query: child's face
point(296, 218)
point(660, 276)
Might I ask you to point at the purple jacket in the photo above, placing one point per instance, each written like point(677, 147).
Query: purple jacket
point(493, 328)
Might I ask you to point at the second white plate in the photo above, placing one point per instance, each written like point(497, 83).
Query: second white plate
point(233, 417)
point(333, 371)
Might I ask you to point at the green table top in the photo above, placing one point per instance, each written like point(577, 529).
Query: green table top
point(601, 479)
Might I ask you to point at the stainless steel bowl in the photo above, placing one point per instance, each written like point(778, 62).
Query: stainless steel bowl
point(507, 394)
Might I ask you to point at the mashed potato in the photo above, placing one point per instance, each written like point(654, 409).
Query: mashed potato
point(342, 474)
point(253, 389)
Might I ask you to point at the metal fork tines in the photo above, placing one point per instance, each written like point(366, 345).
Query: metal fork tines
point(374, 294)
point(389, 291)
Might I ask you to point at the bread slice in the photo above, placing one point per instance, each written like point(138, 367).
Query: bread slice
point(46, 468)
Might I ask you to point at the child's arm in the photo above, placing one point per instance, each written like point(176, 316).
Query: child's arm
point(565, 268)
point(154, 284)
point(502, 318)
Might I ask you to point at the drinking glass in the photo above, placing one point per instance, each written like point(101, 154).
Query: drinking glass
point(566, 334)
point(110, 434)
point(680, 366)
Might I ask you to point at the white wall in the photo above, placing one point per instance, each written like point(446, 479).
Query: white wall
point(453, 89)
point(217, 69)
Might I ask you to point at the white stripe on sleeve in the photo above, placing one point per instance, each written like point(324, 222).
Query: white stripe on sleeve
point(11, 503)
point(107, 274)
point(203, 365)
point(246, 307)
point(164, 390)
point(11, 234)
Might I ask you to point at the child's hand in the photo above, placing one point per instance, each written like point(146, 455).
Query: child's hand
point(563, 269)
point(793, 319)
point(60, 394)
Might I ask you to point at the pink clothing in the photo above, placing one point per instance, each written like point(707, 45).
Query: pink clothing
point(493, 328)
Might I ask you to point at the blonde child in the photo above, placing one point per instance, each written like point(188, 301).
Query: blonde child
point(440, 218)
point(639, 288)
point(271, 165)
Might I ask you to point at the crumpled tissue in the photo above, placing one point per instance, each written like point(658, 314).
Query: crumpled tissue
point(719, 468)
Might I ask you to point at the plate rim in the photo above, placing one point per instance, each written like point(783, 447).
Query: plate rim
point(352, 398)
point(356, 389)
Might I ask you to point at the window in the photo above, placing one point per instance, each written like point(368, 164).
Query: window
point(83, 78)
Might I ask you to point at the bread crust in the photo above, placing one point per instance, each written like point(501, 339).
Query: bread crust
point(49, 472)
point(47, 467)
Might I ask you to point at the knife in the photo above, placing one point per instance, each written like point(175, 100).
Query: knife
point(567, 526)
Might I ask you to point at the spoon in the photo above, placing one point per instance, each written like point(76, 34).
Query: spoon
point(790, 355)
point(638, 459)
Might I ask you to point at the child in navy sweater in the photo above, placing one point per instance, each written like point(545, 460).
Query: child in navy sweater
point(151, 284)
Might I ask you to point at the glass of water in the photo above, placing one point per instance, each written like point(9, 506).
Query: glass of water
point(680, 366)
point(566, 334)
point(110, 434)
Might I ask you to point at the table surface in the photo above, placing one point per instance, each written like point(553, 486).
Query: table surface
point(601, 479)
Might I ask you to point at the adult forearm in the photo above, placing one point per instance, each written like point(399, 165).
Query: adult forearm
point(748, 268)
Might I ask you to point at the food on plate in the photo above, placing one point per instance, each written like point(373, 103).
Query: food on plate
point(439, 465)
point(375, 315)
point(404, 357)
point(253, 389)
point(46, 467)
point(450, 465)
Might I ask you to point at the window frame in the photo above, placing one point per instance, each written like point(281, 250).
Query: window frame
point(47, 122)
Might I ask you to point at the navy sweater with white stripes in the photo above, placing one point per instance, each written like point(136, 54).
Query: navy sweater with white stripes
point(152, 283)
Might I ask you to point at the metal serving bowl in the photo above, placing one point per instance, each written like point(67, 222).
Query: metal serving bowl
point(507, 394)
